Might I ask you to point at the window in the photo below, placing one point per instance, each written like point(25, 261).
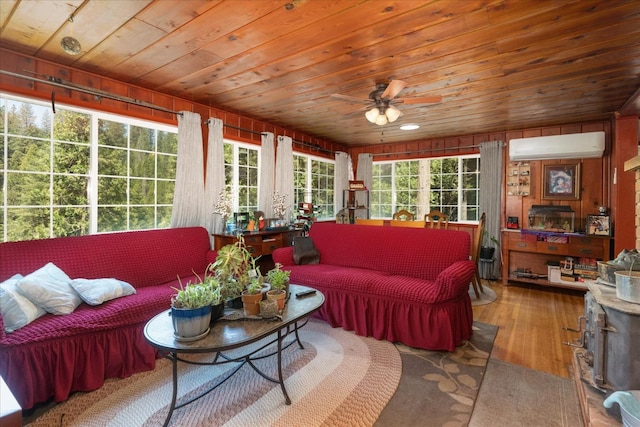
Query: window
point(241, 174)
point(448, 184)
point(79, 172)
point(313, 183)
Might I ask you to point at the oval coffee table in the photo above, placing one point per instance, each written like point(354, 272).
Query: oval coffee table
point(225, 335)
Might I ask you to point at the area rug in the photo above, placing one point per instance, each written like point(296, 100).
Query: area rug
point(338, 379)
point(516, 396)
point(487, 296)
point(439, 388)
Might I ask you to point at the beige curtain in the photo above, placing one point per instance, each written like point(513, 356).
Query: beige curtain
point(214, 183)
point(364, 173)
point(267, 176)
point(490, 192)
point(189, 189)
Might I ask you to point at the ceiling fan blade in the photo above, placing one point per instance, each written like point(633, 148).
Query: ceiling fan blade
point(393, 89)
point(421, 100)
point(349, 98)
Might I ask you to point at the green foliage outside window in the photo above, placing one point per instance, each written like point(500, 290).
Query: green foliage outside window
point(47, 163)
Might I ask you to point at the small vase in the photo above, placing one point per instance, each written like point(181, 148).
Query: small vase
point(190, 322)
point(278, 296)
point(251, 303)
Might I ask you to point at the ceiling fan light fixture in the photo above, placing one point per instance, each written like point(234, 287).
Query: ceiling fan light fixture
point(372, 115)
point(381, 120)
point(392, 113)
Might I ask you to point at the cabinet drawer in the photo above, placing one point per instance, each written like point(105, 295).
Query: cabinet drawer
point(552, 248)
point(589, 251)
point(252, 240)
point(517, 244)
point(270, 246)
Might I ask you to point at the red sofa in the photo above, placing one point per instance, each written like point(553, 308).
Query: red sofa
point(56, 355)
point(399, 284)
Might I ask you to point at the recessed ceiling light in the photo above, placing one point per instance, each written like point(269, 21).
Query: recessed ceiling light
point(409, 126)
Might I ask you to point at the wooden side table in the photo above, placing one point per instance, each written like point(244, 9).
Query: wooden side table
point(10, 410)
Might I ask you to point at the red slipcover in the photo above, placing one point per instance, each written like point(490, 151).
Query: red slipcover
point(56, 355)
point(400, 284)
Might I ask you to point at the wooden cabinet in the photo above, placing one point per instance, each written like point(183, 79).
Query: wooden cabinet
point(518, 179)
point(259, 243)
point(527, 254)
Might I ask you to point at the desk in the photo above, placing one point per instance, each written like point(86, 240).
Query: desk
point(259, 242)
point(227, 335)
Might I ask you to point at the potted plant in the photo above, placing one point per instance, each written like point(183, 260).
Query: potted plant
point(234, 267)
point(487, 252)
point(191, 309)
point(278, 279)
point(251, 297)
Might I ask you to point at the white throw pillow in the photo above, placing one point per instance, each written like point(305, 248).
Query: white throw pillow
point(97, 291)
point(50, 288)
point(17, 311)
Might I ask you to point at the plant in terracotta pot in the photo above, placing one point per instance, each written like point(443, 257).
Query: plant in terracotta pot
point(251, 297)
point(191, 309)
point(278, 279)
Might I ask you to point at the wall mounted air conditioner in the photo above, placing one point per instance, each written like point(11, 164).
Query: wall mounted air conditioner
point(572, 146)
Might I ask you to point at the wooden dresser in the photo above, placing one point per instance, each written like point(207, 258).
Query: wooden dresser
point(523, 252)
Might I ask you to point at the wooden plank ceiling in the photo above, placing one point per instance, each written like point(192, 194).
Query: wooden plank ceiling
point(497, 64)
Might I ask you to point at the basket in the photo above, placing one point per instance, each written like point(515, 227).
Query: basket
point(628, 286)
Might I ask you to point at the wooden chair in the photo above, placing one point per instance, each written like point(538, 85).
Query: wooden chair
point(475, 254)
point(400, 223)
point(363, 221)
point(437, 219)
point(403, 215)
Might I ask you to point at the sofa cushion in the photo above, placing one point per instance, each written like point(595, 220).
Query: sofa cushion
point(16, 310)
point(50, 288)
point(97, 291)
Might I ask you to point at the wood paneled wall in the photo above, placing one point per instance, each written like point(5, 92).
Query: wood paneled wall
point(240, 127)
point(596, 174)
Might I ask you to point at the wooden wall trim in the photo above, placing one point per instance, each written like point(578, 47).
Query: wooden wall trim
point(32, 67)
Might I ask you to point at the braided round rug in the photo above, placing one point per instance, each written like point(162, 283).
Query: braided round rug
point(337, 379)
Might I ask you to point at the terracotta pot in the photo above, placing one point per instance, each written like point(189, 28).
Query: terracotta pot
point(278, 296)
point(251, 303)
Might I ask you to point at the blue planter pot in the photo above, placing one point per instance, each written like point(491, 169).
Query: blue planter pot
point(190, 322)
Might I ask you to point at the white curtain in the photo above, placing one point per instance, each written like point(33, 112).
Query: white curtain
point(490, 190)
point(267, 166)
point(284, 172)
point(214, 182)
point(365, 169)
point(364, 173)
point(189, 190)
point(341, 179)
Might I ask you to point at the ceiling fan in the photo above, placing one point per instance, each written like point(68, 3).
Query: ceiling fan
point(381, 103)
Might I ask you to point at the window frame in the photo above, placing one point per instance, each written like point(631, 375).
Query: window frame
point(309, 191)
point(91, 174)
point(460, 173)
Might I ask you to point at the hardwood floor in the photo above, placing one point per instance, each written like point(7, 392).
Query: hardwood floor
point(530, 320)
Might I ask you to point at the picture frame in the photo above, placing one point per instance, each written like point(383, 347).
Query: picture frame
point(598, 225)
point(561, 181)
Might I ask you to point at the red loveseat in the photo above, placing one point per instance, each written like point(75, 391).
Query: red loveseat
point(56, 355)
point(399, 284)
